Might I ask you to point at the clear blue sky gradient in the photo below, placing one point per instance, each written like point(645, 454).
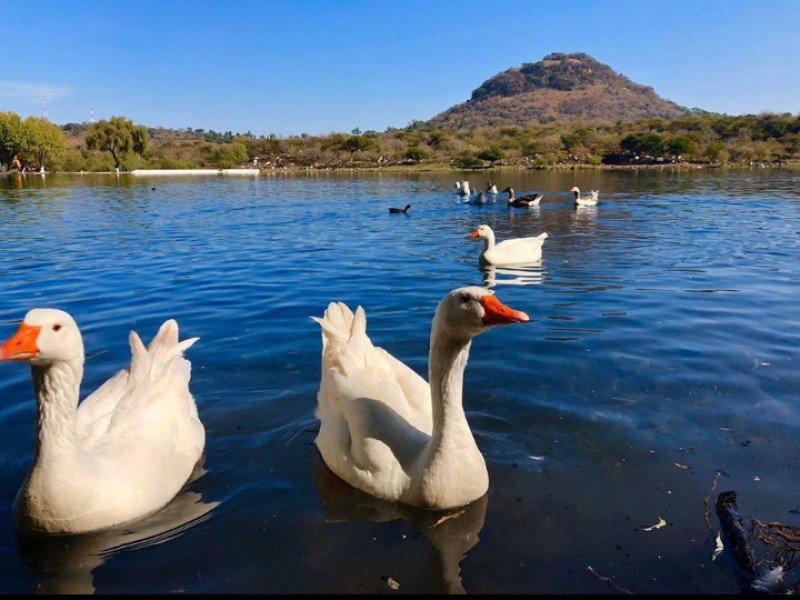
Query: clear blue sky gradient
point(317, 66)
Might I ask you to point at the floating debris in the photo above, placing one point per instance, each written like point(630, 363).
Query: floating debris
point(391, 583)
point(661, 523)
point(770, 582)
point(718, 550)
point(609, 581)
point(681, 466)
point(447, 517)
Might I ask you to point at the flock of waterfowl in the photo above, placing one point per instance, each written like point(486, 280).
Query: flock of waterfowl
point(527, 201)
point(129, 447)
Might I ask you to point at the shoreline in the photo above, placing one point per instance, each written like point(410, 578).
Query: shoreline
point(790, 165)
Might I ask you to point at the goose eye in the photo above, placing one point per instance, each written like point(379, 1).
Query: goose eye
point(465, 298)
point(56, 327)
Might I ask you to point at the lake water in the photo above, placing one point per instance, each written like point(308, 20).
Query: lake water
point(665, 349)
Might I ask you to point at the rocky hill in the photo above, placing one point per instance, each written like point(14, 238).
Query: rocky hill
point(560, 87)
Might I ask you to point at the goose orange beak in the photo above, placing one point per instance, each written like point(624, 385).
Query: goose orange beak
point(21, 345)
point(473, 233)
point(497, 313)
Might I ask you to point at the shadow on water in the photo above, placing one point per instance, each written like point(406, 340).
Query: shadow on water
point(451, 533)
point(69, 561)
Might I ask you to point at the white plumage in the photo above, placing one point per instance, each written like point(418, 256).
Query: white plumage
point(590, 200)
point(508, 252)
point(122, 453)
point(383, 428)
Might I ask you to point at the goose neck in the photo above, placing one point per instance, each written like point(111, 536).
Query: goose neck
point(447, 361)
point(488, 241)
point(56, 387)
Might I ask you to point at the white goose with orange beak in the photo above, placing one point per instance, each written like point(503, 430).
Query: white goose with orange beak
point(122, 453)
point(387, 431)
point(508, 252)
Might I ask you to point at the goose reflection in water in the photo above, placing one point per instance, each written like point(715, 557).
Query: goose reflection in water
point(584, 215)
point(452, 533)
point(523, 274)
point(71, 559)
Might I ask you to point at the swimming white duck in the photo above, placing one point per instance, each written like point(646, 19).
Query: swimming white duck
point(590, 200)
point(491, 188)
point(383, 428)
point(478, 198)
point(528, 201)
point(462, 188)
point(508, 252)
point(122, 453)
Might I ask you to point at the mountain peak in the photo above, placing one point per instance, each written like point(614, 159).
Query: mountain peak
point(560, 87)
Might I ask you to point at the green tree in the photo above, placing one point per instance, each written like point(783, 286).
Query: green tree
point(225, 156)
point(717, 152)
point(13, 137)
point(492, 155)
point(45, 142)
point(647, 142)
point(356, 142)
point(681, 146)
point(119, 136)
point(465, 161)
point(416, 154)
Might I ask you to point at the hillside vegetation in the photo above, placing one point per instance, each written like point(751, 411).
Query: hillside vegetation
point(560, 87)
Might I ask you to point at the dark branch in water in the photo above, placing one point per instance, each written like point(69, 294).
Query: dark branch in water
point(732, 528)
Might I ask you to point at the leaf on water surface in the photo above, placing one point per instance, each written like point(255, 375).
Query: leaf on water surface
point(661, 523)
point(718, 550)
point(391, 583)
point(681, 466)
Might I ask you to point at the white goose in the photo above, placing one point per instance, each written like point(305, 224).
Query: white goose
point(508, 252)
point(121, 454)
point(383, 428)
point(462, 188)
point(491, 188)
point(478, 198)
point(590, 200)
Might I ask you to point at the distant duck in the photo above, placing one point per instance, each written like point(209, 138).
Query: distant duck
point(508, 252)
point(528, 201)
point(491, 188)
point(400, 210)
point(462, 188)
point(590, 200)
point(479, 198)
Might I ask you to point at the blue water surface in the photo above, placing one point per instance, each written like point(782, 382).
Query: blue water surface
point(660, 368)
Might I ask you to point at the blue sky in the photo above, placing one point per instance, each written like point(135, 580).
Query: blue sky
point(318, 66)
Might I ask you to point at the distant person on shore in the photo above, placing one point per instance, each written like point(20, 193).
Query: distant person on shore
point(16, 164)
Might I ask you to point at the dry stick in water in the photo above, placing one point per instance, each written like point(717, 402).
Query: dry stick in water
point(783, 539)
point(608, 580)
point(707, 499)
